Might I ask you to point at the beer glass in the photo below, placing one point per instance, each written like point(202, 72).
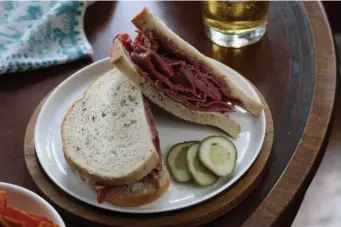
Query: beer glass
point(235, 23)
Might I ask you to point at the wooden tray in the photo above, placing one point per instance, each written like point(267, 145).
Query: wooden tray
point(191, 216)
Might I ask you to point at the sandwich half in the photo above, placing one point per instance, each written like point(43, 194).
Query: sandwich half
point(177, 77)
point(110, 140)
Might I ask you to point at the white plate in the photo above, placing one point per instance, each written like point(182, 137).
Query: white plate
point(171, 131)
point(28, 201)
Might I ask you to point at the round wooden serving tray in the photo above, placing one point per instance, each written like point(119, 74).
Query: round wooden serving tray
point(192, 216)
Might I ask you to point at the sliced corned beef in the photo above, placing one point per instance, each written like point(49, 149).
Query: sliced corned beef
point(181, 78)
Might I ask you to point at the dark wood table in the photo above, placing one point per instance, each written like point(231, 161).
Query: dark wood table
point(294, 66)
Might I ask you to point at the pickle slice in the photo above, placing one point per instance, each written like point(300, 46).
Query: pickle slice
point(200, 173)
point(177, 162)
point(218, 154)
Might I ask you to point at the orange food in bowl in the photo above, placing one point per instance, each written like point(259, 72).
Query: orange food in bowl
point(8, 222)
point(3, 200)
point(13, 217)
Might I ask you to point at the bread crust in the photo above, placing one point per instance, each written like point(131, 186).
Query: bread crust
point(141, 197)
point(146, 20)
point(149, 164)
point(120, 59)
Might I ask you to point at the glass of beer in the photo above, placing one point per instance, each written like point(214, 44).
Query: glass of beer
point(235, 23)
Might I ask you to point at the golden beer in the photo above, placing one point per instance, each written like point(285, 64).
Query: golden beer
point(235, 23)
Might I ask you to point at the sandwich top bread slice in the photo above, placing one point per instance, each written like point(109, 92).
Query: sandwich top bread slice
point(109, 135)
point(177, 77)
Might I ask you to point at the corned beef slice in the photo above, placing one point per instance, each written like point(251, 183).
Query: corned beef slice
point(179, 77)
point(153, 130)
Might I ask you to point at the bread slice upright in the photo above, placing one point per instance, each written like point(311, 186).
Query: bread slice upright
point(120, 58)
point(146, 20)
point(106, 136)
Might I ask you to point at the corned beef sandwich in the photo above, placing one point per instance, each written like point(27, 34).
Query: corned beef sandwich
point(177, 77)
point(110, 140)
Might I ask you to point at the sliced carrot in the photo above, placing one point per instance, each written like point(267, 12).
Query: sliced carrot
point(3, 200)
point(44, 221)
point(9, 222)
point(47, 224)
point(13, 217)
point(39, 217)
point(19, 215)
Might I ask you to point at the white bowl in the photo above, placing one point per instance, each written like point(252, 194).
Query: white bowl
point(26, 200)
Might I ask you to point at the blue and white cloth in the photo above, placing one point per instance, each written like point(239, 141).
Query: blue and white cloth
point(37, 34)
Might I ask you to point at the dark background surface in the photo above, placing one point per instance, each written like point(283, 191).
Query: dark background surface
point(290, 87)
point(333, 11)
point(332, 155)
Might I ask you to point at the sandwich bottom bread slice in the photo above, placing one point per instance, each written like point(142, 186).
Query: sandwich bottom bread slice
point(144, 191)
point(110, 140)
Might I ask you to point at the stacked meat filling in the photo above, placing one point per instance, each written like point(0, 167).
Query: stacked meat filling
point(181, 78)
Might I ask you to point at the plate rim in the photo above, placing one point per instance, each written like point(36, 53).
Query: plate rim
point(127, 210)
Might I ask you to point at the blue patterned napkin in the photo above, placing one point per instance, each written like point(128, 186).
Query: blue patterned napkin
point(37, 34)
